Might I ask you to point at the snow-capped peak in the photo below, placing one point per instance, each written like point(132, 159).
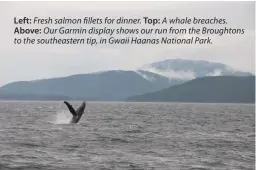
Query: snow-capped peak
point(190, 69)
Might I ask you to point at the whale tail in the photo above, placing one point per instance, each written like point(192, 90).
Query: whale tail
point(76, 114)
point(80, 110)
point(71, 109)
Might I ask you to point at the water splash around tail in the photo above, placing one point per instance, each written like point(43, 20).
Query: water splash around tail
point(62, 117)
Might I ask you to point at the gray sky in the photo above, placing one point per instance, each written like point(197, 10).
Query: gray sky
point(28, 62)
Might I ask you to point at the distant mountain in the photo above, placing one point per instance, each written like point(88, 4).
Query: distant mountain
point(219, 89)
point(189, 69)
point(18, 96)
point(109, 85)
point(116, 85)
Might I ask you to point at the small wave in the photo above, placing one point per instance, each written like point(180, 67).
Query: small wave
point(119, 140)
point(28, 144)
point(251, 135)
point(140, 112)
point(71, 146)
point(198, 168)
point(133, 131)
point(130, 165)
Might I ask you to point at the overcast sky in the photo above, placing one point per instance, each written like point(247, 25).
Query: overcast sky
point(28, 62)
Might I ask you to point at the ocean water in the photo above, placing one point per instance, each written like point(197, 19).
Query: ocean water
point(136, 136)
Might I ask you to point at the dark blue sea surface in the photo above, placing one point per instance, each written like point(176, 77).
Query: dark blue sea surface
point(127, 136)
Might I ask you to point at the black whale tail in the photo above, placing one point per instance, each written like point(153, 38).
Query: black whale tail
point(71, 109)
point(76, 114)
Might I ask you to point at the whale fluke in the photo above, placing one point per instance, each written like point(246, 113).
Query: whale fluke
point(76, 114)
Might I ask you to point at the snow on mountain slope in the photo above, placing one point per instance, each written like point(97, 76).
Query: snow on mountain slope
point(189, 69)
point(146, 76)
